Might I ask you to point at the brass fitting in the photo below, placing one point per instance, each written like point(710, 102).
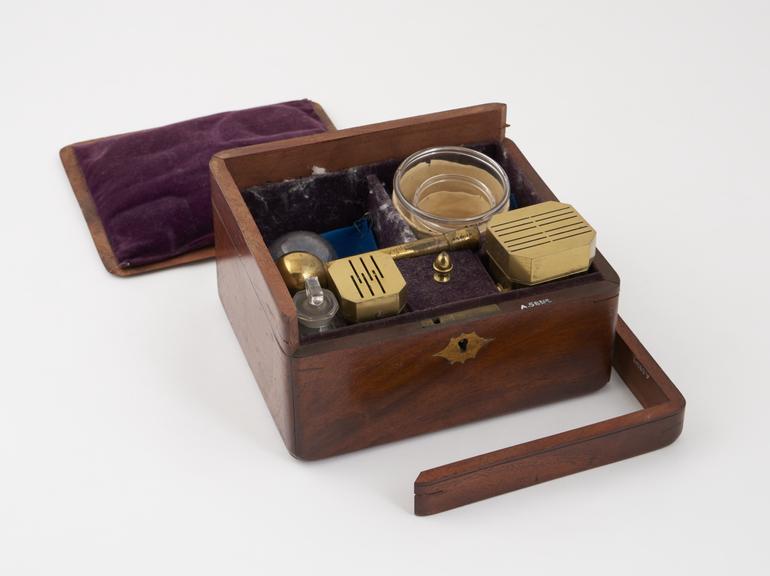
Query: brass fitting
point(442, 267)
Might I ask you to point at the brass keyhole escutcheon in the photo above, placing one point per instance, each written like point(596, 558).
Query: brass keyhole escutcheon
point(463, 347)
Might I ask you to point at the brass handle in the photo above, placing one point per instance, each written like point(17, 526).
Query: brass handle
point(469, 237)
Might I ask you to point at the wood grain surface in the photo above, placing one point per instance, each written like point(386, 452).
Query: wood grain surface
point(656, 425)
point(386, 382)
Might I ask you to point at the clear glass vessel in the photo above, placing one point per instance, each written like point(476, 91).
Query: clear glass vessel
point(441, 189)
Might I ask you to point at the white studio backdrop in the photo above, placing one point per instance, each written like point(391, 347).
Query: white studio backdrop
point(133, 438)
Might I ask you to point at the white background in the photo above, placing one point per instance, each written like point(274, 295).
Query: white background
point(133, 438)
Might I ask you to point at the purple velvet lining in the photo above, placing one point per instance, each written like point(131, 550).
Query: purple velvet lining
point(391, 228)
point(469, 280)
point(151, 188)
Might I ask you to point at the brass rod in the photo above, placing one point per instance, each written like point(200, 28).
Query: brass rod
point(469, 237)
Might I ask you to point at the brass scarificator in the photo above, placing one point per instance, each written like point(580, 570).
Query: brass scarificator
point(539, 243)
point(369, 286)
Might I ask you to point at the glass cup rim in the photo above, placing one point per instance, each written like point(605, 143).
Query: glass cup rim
point(426, 154)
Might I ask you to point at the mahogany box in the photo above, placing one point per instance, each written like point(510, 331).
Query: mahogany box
point(388, 379)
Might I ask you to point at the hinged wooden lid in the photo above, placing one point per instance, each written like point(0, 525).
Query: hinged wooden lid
point(342, 149)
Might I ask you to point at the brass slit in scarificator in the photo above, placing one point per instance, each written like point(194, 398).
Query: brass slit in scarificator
point(353, 268)
point(363, 265)
point(559, 235)
point(353, 280)
point(578, 234)
point(517, 238)
point(511, 231)
point(542, 214)
point(567, 228)
point(572, 224)
point(374, 262)
point(570, 217)
point(369, 286)
point(530, 246)
point(554, 218)
point(518, 245)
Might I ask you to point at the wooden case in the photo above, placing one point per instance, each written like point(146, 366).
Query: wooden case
point(387, 382)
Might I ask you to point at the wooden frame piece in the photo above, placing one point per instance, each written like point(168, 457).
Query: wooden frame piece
point(656, 425)
point(96, 228)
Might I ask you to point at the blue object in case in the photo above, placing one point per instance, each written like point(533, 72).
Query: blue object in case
point(352, 240)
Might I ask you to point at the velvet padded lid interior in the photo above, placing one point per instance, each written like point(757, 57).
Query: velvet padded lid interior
point(151, 188)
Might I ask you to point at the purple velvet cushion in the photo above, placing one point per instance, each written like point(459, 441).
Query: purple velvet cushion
point(151, 188)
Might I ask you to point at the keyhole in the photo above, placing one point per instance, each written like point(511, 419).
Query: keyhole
point(463, 344)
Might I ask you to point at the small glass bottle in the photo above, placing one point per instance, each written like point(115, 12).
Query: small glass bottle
point(441, 189)
point(316, 307)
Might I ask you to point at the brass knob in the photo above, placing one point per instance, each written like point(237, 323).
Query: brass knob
point(296, 267)
point(442, 267)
